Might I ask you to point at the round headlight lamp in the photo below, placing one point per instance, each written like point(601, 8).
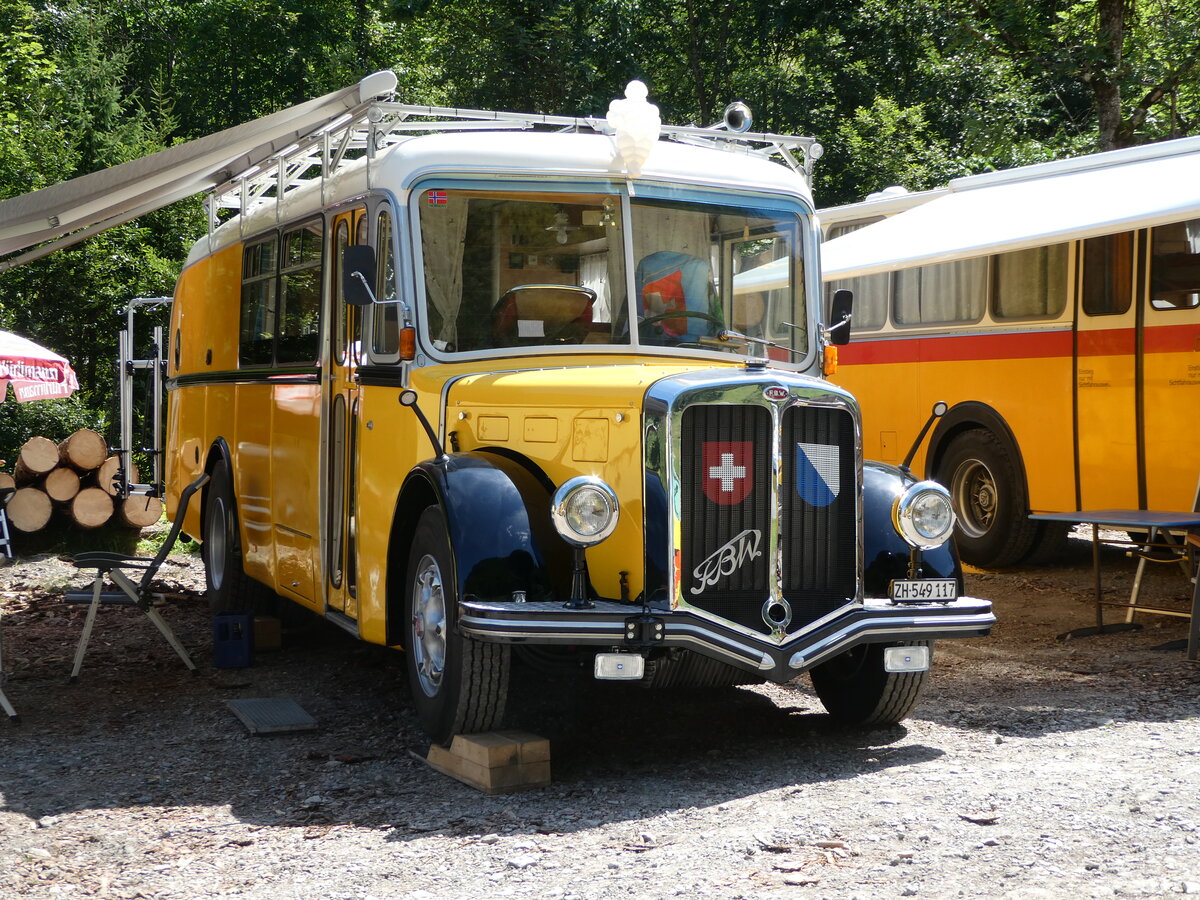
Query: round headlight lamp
point(923, 515)
point(584, 511)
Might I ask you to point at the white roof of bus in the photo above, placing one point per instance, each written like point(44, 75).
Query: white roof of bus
point(1026, 207)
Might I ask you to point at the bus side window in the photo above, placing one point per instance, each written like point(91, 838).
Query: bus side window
point(943, 293)
point(871, 292)
point(385, 331)
point(256, 335)
point(1175, 266)
point(300, 294)
point(1030, 284)
point(1108, 274)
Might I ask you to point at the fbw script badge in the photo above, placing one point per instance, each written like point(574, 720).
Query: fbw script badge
point(728, 471)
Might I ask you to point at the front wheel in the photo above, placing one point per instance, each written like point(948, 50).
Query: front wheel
point(988, 490)
point(856, 689)
point(458, 685)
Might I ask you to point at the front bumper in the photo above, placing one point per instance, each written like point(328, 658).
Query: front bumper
point(621, 625)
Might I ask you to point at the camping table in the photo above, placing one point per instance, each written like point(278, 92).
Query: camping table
point(1152, 522)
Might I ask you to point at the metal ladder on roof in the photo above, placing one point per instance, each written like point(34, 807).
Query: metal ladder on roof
point(130, 367)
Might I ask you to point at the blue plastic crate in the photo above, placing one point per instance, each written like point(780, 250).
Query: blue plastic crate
point(233, 640)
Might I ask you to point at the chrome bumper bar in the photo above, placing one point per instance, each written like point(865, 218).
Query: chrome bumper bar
point(609, 624)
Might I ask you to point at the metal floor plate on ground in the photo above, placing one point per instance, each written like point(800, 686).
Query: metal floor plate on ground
point(272, 715)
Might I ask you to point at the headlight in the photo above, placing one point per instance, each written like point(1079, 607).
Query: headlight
point(923, 515)
point(584, 511)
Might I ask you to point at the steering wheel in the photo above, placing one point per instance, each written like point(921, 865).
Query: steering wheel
point(679, 314)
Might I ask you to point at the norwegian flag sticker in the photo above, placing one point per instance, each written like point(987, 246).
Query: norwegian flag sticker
point(435, 198)
point(818, 478)
point(728, 471)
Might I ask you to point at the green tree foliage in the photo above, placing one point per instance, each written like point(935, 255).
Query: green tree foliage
point(899, 93)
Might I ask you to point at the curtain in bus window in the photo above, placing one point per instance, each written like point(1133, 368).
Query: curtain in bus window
point(1030, 283)
point(593, 273)
point(947, 292)
point(1175, 266)
point(1108, 274)
point(299, 295)
point(443, 228)
point(870, 291)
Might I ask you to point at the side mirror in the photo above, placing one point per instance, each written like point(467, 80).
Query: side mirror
point(839, 317)
point(358, 272)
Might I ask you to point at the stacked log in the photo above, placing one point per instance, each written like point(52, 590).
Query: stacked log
point(77, 477)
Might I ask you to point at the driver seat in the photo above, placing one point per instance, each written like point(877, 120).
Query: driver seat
point(667, 281)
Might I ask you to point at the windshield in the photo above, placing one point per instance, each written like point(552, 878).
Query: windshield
point(506, 269)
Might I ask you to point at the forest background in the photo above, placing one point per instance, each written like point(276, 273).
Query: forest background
point(913, 92)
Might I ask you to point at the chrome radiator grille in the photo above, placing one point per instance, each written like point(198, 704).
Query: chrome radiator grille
point(730, 509)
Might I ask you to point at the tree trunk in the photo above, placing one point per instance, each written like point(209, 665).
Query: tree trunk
point(61, 484)
point(107, 473)
point(140, 511)
point(91, 508)
point(7, 480)
point(84, 450)
point(29, 509)
point(37, 457)
point(1106, 82)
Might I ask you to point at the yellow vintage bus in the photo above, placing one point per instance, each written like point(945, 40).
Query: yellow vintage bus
point(477, 389)
point(1056, 308)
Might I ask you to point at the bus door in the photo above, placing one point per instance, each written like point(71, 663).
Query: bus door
point(1106, 363)
point(341, 589)
point(1171, 366)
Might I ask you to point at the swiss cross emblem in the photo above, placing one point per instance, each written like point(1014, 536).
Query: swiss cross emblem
point(728, 471)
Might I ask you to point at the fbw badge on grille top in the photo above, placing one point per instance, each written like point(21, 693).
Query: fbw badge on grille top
point(728, 471)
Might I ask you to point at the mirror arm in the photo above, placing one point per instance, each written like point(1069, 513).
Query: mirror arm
point(366, 286)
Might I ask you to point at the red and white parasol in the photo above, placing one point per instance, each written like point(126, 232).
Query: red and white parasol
point(35, 372)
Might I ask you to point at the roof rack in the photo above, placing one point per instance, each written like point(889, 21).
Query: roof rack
point(383, 124)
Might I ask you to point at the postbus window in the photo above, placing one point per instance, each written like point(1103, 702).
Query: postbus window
point(339, 310)
point(257, 326)
point(1175, 266)
point(941, 294)
point(300, 295)
point(1108, 274)
point(385, 330)
point(1030, 284)
point(870, 291)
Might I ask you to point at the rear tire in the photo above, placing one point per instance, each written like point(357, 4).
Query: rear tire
point(230, 589)
point(855, 689)
point(988, 490)
point(458, 685)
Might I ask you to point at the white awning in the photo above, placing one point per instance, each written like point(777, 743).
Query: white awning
point(1020, 208)
point(71, 211)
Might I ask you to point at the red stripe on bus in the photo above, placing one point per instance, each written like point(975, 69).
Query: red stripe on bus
point(957, 348)
point(1018, 345)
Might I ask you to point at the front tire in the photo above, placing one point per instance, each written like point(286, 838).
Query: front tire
point(988, 490)
point(855, 688)
point(458, 685)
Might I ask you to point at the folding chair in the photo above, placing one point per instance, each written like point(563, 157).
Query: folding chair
point(4, 704)
point(131, 593)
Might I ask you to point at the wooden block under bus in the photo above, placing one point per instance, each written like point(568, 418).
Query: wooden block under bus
point(495, 761)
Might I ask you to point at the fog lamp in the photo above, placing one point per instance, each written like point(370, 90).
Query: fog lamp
point(923, 515)
point(584, 511)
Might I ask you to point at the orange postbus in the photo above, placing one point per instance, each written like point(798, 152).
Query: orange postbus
point(1056, 309)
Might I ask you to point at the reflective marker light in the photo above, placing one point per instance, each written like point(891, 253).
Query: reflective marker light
point(923, 515)
point(584, 511)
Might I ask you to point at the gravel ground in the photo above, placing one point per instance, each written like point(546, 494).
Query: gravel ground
point(1034, 768)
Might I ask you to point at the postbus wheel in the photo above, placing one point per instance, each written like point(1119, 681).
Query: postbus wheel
point(988, 491)
point(856, 689)
point(458, 685)
point(229, 588)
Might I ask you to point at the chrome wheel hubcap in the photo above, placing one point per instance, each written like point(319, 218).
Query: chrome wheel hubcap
point(975, 498)
point(429, 625)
